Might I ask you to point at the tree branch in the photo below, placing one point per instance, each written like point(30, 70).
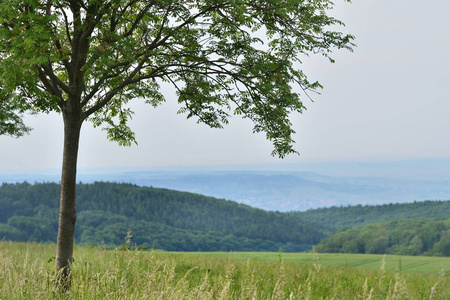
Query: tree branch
point(49, 86)
point(138, 19)
point(128, 81)
point(47, 69)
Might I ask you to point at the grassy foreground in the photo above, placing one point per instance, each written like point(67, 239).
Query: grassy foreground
point(25, 273)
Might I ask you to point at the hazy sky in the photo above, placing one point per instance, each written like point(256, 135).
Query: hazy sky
point(388, 100)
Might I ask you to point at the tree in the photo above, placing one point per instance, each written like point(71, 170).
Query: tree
point(86, 59)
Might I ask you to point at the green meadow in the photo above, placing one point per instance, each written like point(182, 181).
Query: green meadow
point(407, 264)
point(26, 272)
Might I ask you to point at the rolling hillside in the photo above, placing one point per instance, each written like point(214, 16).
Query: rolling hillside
point(158, 218)
point(181, 221)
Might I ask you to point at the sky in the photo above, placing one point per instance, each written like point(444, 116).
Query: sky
point(386, 101)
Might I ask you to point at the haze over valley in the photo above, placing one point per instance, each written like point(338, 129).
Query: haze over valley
point(288, 187)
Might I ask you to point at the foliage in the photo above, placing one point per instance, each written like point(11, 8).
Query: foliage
point(88, 59)
point(11, 118)
point(406, 237)
point(158, 218)
point(100, 274)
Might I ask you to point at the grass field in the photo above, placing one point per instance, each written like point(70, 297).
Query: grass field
point(409, 264)
point(26, 272)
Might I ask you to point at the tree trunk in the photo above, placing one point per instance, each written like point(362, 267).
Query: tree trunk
point(67, 212)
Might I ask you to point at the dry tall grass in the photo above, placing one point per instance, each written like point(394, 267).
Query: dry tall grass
point(26, 272)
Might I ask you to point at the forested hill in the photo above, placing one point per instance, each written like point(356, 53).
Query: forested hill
point(403, 237)
point(158, 218)
point(353, 216)
point(180, 221)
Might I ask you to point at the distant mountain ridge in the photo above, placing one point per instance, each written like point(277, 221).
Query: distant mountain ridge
point(293, 191)
point(276, 191)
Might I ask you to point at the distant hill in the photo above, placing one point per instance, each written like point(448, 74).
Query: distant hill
point(296, 191)
point(273, 190)
point(158, 218)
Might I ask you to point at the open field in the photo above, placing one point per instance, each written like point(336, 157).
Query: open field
point(26, 272)
point(408, 264)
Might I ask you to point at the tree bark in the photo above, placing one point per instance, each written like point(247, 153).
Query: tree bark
point(67, 212)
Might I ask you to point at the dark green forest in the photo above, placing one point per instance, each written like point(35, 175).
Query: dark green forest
point(180, 221)
point(158, 218)
point(339, 218)
point(404, 237)
point(418, 228)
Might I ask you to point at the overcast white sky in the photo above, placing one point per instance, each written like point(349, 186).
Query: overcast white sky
point(389, 100)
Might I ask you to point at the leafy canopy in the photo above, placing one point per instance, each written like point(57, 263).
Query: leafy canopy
point(11, 118)
point(228, 57)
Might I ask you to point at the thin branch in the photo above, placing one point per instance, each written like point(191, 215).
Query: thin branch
point(157, 43)
point(66, 25)
point(138, 19)
point(97, 86)
point(185, 102)
point(128, 81)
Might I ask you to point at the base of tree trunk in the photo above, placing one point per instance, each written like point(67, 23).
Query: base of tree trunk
point(63, 280)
